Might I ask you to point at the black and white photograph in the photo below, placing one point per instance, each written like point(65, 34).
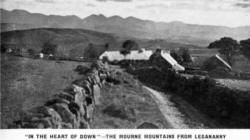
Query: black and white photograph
point(125, 64)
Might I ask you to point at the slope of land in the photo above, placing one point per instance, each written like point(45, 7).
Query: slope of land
point(180, 32)
point(127, 105)
point(243, 85)
point(69, 42)
point(73, 43)
point(26, 83)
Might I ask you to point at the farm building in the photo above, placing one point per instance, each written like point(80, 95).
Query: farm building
point(215, 62)
point(133, 55)
point(144, 55)
point(164, 59)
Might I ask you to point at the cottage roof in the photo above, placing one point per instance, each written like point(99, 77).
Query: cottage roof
point(172, 61)
point(223, 61)
point(141, 55)
point(133, 55)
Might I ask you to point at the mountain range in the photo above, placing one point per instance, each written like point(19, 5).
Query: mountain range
point(200, 35)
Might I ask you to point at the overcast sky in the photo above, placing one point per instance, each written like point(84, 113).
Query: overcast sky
point(210, 12)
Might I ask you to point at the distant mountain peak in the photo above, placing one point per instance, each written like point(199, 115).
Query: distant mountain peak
point(176, 22)
point(115, 17)
point(96, 17)
point(133, 18)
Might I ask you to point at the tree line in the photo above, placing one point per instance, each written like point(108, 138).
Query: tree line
point(229, 47)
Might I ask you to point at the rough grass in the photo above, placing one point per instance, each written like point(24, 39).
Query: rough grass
point(126, 105)
point(26, 83)
point(243, 85)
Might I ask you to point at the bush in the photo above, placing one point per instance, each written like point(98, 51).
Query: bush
point(82, 69)
point(49, 48)
point(3, 49)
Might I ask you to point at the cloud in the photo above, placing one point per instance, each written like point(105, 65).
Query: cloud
point(90, 5)
point(152, 6)
point(45, 1)
point(243, 5)
point(115, 0)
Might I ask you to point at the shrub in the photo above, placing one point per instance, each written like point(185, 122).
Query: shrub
point(49, 48)
point(81, 69)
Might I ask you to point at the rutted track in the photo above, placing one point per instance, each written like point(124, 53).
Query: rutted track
point(180, 115)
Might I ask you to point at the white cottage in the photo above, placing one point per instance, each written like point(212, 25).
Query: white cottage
point(141, 55)
point(133, 55)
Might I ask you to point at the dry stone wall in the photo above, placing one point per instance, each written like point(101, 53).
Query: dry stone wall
point(72, 108)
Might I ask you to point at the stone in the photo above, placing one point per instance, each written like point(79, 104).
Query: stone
point(147, 125)
point(90, 111)
point(103, 76)
point(45, 123)
point(65, 96)
point(87, 89)
point(49, 112)
point(89, 101)
point(55, 101)
point(55, 118)
point(64, 112)
point(74, 108)
point(77, 89)
point(26, 116)
point(66, 126)
point(84, 124)
point(97, 94)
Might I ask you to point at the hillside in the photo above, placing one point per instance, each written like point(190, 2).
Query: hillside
point(69, 42)
point(200, 35)
point(27, 83)
point(74, 43)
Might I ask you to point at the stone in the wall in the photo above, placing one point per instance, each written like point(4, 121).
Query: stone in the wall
point(90, 111)
point(84, 124)
point(44, 123)
point(74, 108)
point(97, 94)
point(66, 125)
point(65, 96)
point(87, 88)
point(54, 117)
point(55, 101)
point(64, 112)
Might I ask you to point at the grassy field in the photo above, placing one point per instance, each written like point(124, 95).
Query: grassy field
point(26, 83)
point(127, 105)
point(235, 84)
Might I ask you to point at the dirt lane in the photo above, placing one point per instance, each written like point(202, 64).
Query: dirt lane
point(167, 108)
point(178, 112)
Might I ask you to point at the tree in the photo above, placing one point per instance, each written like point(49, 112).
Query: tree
point(127, 46)
point(130, 44)
point(245, 48)
point(227, 46)
point(31, 52)
point(90, 52)
point(106, 46)
point(177, 57)
point(3, 48)
point(49, 48)
point(186, 57)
